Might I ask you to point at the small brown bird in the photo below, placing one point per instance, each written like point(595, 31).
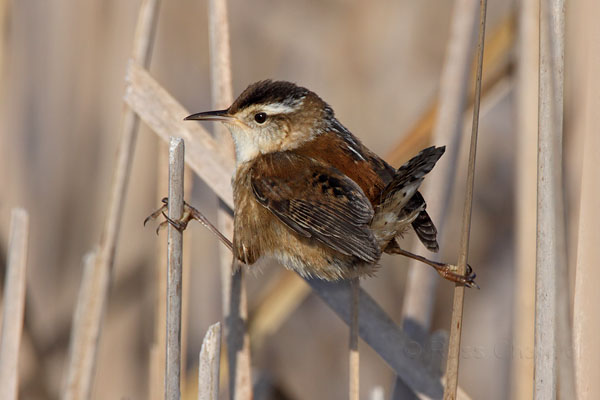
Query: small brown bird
point(308, 193)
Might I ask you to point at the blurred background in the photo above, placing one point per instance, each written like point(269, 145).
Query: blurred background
point(378, 64)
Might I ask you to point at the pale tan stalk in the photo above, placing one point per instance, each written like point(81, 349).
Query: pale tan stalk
point(174, 271)
point(14, 303)
point(209, 364)
point(553, 341)
point(452, 365)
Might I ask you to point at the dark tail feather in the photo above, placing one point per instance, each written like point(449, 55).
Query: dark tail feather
point(423, 225)
point(402, 198)
point(426, 232)
point(415, 169)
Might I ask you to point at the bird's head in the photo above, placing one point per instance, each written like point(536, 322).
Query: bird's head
point(271, 116)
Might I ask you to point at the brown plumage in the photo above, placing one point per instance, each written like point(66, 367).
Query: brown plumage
point(308, 193)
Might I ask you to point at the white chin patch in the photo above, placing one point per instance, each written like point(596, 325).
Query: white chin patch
point(245, 146)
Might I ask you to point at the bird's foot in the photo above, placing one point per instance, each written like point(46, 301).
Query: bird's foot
point(189, 213)
point(446, 271)
point(179, 224)
point(450, 272)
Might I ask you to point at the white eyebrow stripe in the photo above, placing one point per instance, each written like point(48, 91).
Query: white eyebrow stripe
point(277, 108)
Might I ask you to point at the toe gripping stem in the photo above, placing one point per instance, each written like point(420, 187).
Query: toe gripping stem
point(189, 213)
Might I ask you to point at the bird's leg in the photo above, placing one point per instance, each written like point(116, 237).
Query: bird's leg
point(446, 271)
point(189, 213)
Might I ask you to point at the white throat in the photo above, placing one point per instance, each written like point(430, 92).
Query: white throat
point(247, 145)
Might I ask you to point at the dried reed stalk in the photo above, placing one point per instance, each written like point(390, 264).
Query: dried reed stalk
point(553, 364)
point(156, 382)
point(459, 291)
point(174, 270)
point(142, 47)
point(209, 364)
point(525, 199)
point(354, 359)
point(164, 115)
point(586, 320)
point(161, 113)
point(14, 303)
point(84, 335)
point(238, 348)
point(419, 295)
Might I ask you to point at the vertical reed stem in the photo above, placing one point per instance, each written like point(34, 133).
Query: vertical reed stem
point(14, 304)
point(553, 325)
point(209, 364)
point(174, 272)
point(84, 336)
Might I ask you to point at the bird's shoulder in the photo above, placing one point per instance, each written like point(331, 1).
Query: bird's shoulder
point(343, 151)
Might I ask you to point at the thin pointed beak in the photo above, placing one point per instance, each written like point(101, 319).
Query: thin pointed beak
point(219, 115)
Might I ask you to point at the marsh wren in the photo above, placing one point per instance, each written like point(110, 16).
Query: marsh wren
point(308, 193)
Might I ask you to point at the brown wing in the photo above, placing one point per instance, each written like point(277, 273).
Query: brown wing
point(353, 159)
point(316, 201)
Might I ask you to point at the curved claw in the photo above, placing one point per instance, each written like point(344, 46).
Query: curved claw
point(179, 225)
point(470, 278)
point(156, 213)
point(161, 226)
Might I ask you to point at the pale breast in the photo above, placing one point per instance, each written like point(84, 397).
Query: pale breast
point(252, 222)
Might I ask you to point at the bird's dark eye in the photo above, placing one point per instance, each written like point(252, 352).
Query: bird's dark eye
point(260, 117)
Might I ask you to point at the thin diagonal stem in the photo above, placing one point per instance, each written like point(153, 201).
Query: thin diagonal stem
point(459, 291)
point(448, 130)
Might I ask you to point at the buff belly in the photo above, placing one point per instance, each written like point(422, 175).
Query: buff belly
point(259, 233)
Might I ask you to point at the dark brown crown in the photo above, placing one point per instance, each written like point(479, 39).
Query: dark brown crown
point(269, 92)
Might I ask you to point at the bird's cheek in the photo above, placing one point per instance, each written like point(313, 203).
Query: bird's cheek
point(268, 141)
